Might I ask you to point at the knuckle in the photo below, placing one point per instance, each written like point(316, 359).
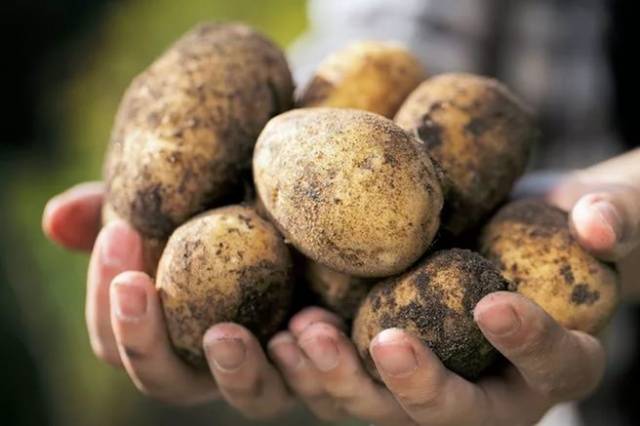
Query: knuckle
point(242, 390)
point(105, 353)
point(424, 400)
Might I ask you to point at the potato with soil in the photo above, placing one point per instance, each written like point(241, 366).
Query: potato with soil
point(348, 188)
point(226, 264)
point(186, 126)
point(533, 246)
point(339, 292)
point(369, 75)
point(434, 301)
point(479, 133)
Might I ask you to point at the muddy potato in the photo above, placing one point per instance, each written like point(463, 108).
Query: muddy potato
point(339, 292)
point(227, 264)
point(186, 126)
point(369, 75)
point(434, 301)
point(348, 188)
point(533, 246)
point(479, 133)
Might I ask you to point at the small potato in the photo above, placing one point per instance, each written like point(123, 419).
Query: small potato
point(369, 75)
point(434, 301)
point(533, 246)
point(349, 189)
point(227, 264)
point(339, 292)
point(186, 126)
point(479, 133)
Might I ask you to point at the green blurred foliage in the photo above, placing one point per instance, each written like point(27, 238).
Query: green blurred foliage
point(49, 282)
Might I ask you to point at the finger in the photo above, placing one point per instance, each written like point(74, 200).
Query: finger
point(608, 223)
point(245, 377)
point(72, 219)
point(302, 377)
point(144, 345)
point(343, 377)
point(313, 314)
point(429, 392)
point(118, 248)
point(558, 363)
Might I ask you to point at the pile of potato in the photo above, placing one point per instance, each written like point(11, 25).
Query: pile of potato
point(378, 186)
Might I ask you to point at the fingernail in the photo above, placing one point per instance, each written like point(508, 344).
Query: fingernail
point(499, 320)
point(609, 216)
point(322, 351)
point(286, 353)
point(117, 245)
point(130, 301)
point(228, 353)
point(392, 354)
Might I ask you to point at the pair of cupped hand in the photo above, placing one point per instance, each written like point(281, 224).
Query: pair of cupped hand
point(313, 361)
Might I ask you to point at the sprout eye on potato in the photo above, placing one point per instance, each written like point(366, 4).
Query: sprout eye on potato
point(186, 126)
point(368, 75)
point(479, 133)
point(533, 245)
point(227, 264)
point(434, 301)
point(348, 188)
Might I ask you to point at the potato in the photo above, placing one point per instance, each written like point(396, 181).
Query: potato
point(226, 264)
point(186, 126)
point(340, 293)
point(348, 188)
point(369, 75)
point(533, 246)
point(479, 133)
point(434, 301)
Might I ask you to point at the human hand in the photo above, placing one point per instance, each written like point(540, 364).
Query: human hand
point(126, 325)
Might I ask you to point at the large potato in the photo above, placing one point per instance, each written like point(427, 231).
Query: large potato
point(434, 301)
point(187, 125)
point(227, 264)
point(479, 133)
point(348, 188)
point(533, 246)
point(369, 75)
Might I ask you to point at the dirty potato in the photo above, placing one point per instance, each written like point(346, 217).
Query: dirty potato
point(533, 246)
point(434, 301)
point(479, 133)
point(369, 75)
point(186, 126)
point(226, 264)
point(349, 189)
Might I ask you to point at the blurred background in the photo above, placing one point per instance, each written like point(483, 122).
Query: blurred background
point(65, 66)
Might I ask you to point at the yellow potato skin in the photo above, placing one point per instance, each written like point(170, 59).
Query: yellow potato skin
point(369, 75)
point(434, 301)
point(348, 188)
point(479, 133)
point(186, 126)
point(226, 264)
point(533, 246)
point(339, 292)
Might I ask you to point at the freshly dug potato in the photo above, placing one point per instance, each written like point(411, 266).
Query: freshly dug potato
point(339, 292)
point(533, 246)
point(369, 75)
point(479, 133)
point(348, 188)
point(227, 264)
point(186, 126)
point(434, 301)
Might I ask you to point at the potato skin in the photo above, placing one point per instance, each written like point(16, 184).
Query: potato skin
point(434, 301)
point(369, 75)
point(339, 292)
point(479, 133)
point(226, 264)
point(348, 188)
point(533, 246)
point(186, 126)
